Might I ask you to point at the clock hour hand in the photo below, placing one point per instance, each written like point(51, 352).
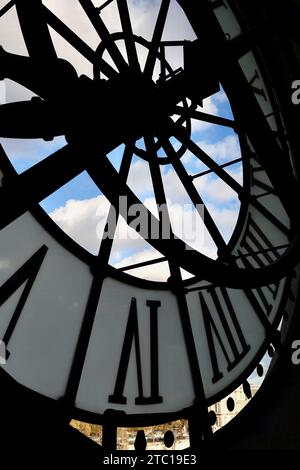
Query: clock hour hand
point(36, 118)
point(32, 119)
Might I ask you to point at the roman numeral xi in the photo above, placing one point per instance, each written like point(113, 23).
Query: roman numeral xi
point(26, 273)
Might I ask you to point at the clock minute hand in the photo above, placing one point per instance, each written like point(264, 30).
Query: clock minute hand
point(48, 80)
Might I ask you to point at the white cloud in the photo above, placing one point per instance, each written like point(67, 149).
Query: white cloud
point(225, 218)
point(216, 189)
point(80, 218)
point(220, 97)
point(209, 186)
point(30, 151)
point(209, 107)
point(155, 272)
point(223, 150)
point(83, 220)
point(139, 179)
point(72, 14)
point(11, 38)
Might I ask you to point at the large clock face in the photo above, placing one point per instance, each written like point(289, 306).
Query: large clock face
point(101, 336)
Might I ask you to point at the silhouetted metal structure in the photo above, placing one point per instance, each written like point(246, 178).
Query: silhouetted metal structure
point(122, 104)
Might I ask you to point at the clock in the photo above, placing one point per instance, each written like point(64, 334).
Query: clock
point(77, 329)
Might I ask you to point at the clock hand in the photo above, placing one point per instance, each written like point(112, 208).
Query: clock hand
point(36, 32)
point(50, 81)
point(132, 55)
point(30, 120)
point(104, 34)
point(156, 38)
point(21, 192)
point(77, 43)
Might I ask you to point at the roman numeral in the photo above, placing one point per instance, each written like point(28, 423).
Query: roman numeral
point(258, 251)
point(132, 335)
point(257, 90)
point(258, 246)
point(260, 293)
point(224, 331)
point(261, 181)
point(264, 186)
point(28, 272)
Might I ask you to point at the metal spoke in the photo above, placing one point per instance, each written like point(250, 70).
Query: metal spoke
point(195, 197)
point(23, 191)
point(113, 215)
point(143, 264)
point(27, 72)
point(270, 216)
point(164, 217)
point(205, 117)
point(100, 271)
point(35, 31)
point(107, 180)
point(7, 7)
point(274, 249)
point(75, 41)
point(180, 135)
point(176, 281)
point(104, 34)
point(104, 5)
point(128, 33)
point(156, 38)
point(225, 165)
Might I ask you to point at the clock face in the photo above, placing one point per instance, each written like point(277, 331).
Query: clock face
point(152, 324)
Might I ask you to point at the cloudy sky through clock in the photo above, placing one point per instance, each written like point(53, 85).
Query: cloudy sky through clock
point(79, 208)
